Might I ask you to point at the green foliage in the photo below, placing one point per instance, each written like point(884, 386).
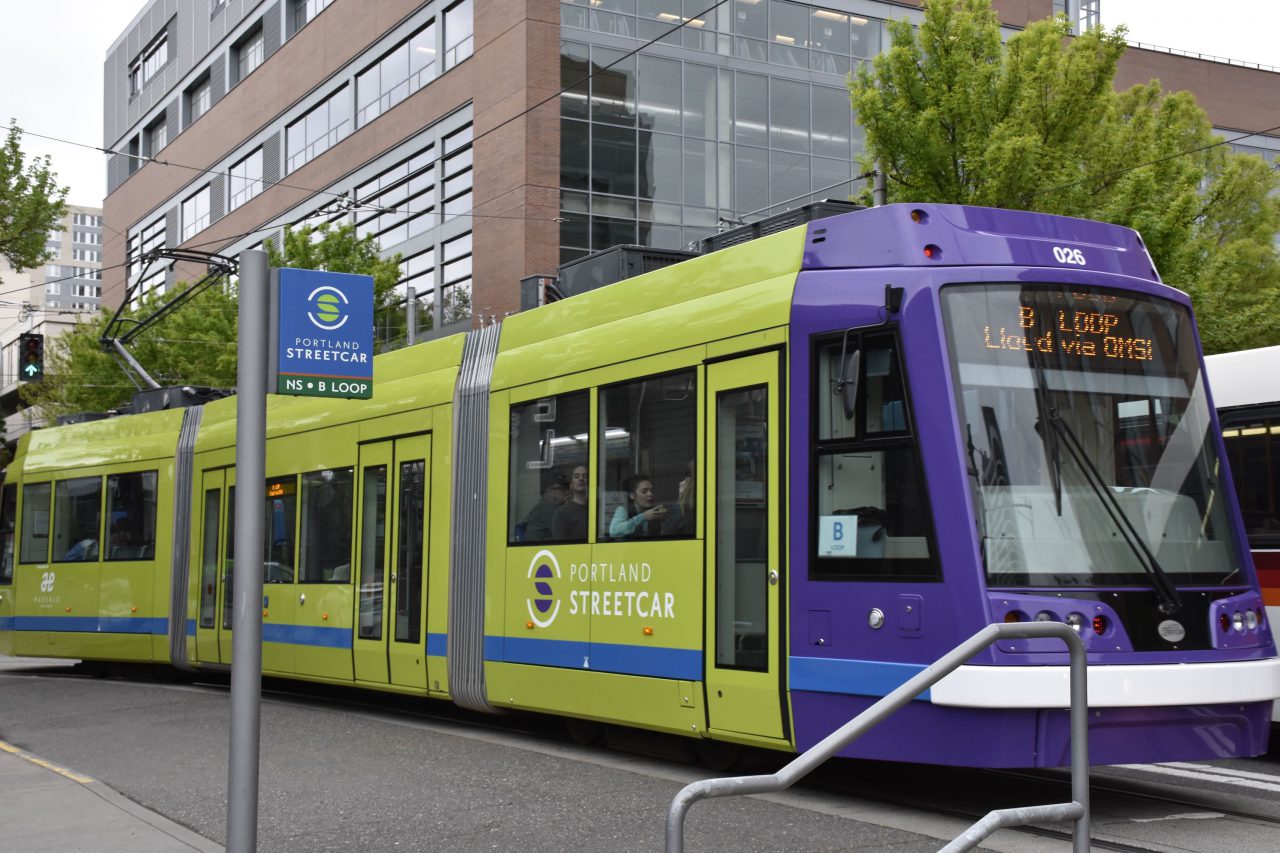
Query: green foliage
point(31, 203)
point(954, 117)
point(196, 345)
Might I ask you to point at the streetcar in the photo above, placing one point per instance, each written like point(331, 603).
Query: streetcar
point(739, 498)
point(1246, 392)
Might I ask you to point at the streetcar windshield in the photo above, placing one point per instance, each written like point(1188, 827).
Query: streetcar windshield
point(1086, 431)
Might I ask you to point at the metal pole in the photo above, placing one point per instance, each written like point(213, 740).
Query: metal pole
point(251, 453)
point(411, 309)
point(1080, 743)
point(879, 190)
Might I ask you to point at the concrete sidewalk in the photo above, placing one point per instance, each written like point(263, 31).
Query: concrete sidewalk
point(48, 807)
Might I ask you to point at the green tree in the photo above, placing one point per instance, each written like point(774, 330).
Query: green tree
point(31, 203)
point(954, 116)
point(196, 345)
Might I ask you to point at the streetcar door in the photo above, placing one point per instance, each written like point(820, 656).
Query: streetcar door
point(211, 516)
point(744, 548)
point(389, 646)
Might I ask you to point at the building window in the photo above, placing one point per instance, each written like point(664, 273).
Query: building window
point(397, 204)
point(195, 213)
point(405, 69)
point(459, 32)
point(89, 238)
point(52, 288)
point(199, 98)
point(139, 244)
point(247, 54)
point(92, 255)
point(156, 136)
point(319, 130)
point(305, 10)
point(149, 62)
point(246, 180)
point(455, 284)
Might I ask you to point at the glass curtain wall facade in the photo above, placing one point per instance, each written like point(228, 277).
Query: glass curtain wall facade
point(732, 117)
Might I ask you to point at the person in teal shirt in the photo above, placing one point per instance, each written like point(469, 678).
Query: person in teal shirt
point(642, 515)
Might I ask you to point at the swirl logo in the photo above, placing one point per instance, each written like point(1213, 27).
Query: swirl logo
point(543, 605)
point(328, 306)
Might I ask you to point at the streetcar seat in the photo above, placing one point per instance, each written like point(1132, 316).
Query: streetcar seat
point(129, 552)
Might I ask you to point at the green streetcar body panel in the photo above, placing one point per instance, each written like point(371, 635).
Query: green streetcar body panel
point(712, 307)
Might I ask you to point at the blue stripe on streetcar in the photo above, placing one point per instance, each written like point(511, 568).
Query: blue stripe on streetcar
point(92, 624)
point(854, 677)
point(307, 635)
point(127, 625)
point(6, 623)
point(437, 645)
point(603, 657)
point(191, 627)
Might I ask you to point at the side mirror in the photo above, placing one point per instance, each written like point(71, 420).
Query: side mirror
point(848, 384)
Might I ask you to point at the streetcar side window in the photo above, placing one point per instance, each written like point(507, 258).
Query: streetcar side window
point(209, 558)
point(871, 517)
point(648, 464)
point(1252, 439)
point(35, 522)
point(131, 504)
point(324, 555)
point(281, 512)
point(8, 503)
point(547, 497)
point(77, 520)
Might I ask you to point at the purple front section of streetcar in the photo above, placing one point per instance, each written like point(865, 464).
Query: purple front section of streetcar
point(973, 236)
point(840, 664)
point(969, 737)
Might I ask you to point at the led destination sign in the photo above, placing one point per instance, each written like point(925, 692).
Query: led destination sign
point(1067, 332)
point(1098, 330)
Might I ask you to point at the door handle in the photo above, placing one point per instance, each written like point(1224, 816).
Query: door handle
point(302, 599)
point(773, 577)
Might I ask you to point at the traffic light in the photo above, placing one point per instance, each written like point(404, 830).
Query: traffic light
point(31, 357)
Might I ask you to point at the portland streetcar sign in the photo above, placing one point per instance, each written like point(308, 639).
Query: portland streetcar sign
point(324, 323)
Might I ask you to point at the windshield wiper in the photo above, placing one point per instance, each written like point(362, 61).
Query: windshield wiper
point(1170, 602)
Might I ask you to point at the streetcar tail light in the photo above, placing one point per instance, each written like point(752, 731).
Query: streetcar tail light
point(1013, 616)
point(1099, 625)
point(1224, 621)
point(931, 251)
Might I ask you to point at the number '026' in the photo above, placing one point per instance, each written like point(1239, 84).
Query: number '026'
point(1065, 255)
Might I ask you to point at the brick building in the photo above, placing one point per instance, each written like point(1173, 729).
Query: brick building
point(425, 124)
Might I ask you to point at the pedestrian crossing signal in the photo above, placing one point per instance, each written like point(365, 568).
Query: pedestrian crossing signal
point(31, 357)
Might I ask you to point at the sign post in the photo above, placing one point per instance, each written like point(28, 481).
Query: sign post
point(246, 616)
point(324, 322)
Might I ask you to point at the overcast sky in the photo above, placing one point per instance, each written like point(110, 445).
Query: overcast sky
point(52, 52)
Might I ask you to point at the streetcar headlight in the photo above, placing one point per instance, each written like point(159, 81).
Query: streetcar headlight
point(1237, 621)
point(1076, 621)
point(1251, 620)
point(1046, 616)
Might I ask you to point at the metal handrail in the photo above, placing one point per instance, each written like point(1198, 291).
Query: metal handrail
point(1077, 810)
